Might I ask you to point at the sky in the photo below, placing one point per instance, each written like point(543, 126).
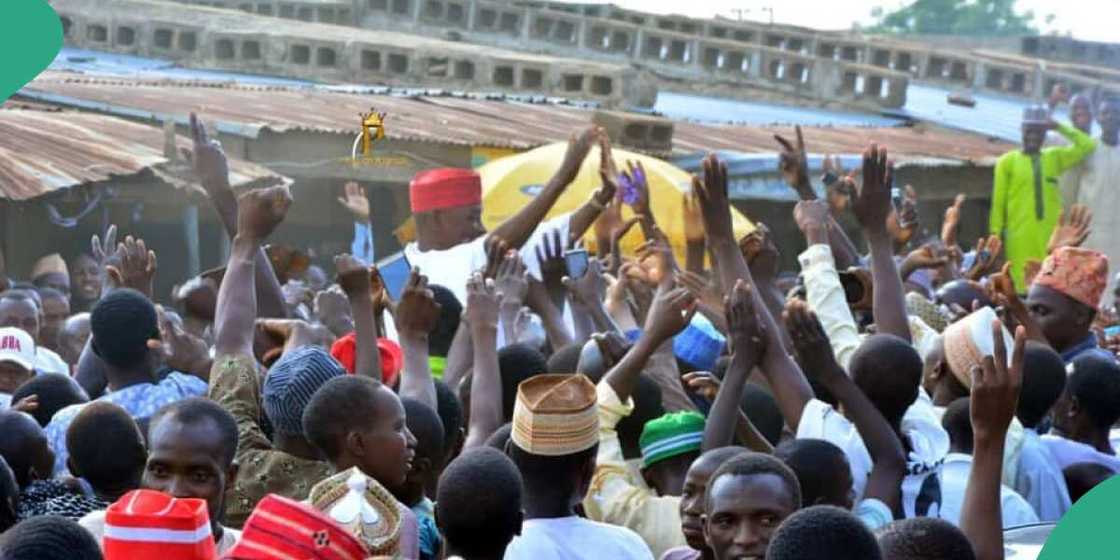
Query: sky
point(1093, 20)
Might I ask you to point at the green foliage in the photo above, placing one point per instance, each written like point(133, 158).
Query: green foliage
point(956, 17)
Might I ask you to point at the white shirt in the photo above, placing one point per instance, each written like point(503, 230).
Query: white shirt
point(1039, 479)
point(573, 538)
point(1067, 452)
point(953, 484)
point(47, 361)
point(1098, 190)
point(929, 442)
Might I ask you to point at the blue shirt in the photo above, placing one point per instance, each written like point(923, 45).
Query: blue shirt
point(1088, 345)
point(429, 534)
point(141, 401)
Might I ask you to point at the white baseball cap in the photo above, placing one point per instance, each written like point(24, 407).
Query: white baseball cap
point(18, 347)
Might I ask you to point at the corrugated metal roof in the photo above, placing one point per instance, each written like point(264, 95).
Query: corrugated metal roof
point(43, 151)
point(995, 116)
point(713, 110)
point(247, 110)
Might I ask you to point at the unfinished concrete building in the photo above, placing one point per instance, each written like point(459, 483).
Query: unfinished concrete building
point(213, 38)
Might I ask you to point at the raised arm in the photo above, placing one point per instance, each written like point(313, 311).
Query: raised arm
point(212, 168)
point(416, 316)
point(995, 394)
point(486, 383)
point(748, 344)
point(354, 278)
point(588, 214)
point(887, 457)
point(258, 214)
point(517, 229)
point(872, 207)
point(1080, 146)
point(671, 312)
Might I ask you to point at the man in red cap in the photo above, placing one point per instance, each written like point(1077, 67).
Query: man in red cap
point(450, 239)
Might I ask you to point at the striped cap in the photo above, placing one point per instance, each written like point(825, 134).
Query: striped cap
point(151, 524)
point(284, 529)
point(671, 435)
point(555, 415)
point(291, 382)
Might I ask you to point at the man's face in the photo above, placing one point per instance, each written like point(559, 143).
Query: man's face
point(461, 225)
point(72, 339)
point(1060, 415)
point(86, 280)
point(1057, 315)
point(55, 312)
point(388, 447)
point(1081, 112)
point(1033, 136)
point(186, 461)
point(56, 280)
point(692, 502)
point(1109, 118)
point(667, 477)
point(21, 314)
point(743, 513)
point(12, 375)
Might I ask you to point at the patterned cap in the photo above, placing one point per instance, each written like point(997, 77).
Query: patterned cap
point(284, 528)
point(291, 382)
point(363, 507)
point(1081, 274)
point(969, 340)
point(50, 264)
point(151, 524)
point(917, 305)
point(699, 344)
point(673, 434)
point(555, 415)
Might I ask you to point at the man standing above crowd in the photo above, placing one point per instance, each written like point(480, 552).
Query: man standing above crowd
point(1026, 201)
point(1097, 188)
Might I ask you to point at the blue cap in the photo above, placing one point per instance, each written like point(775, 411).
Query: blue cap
point(291, 382)
point(699, 344)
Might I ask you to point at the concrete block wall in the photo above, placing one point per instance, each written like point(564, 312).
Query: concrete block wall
point(256, 44)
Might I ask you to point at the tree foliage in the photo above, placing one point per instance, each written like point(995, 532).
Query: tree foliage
point(956, 17)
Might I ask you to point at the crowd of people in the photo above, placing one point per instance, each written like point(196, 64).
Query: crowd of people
point(511, 401)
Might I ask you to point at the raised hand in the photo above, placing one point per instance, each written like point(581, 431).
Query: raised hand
point(482, 303)
point(417, 312)
point(207, 157)
point(496, 251)
point(578, 148)
point(353, 276)
point(260, 211)
point(811, 216)
point(702, 383)
point(903, 223)
point(987, 257)
point(610, 218)
point(550, 259)
point(926, 256)
point(612, 347)
point(671, 312)
point(952, 221)
point(1073, 228)
point(745, 329)
point(635, 190)
point(872, 204)
point(512, 281)
point(996, 386)
point(761, 253)
point(103, 249)
point(182, 351)
point(134, 266)
point(354, 199)
point(657, 259)
point(589, 289)
point(814, 352)
point(332, 309)
point(294, 333)
point(793, 162)
point(703, 290)
point(693, 221)
point(715, 208)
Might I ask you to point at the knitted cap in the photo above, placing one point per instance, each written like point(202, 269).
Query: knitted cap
point(1079, 273)
point(699, 344)
point(969, 340)
point(555, 415)
point(284, 528)
point(151, 524)
point(673, 434)
point(440, 189)
point(291, 382)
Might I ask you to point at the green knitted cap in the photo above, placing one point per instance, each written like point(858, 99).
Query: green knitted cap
point(671, 435)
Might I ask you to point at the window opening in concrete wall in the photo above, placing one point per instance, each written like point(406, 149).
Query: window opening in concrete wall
point(301, 54)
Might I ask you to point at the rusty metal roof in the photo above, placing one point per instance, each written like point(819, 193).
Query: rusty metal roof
point(454, 119)
point(44, 151)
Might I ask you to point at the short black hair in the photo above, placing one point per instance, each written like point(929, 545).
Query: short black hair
point(924, 538)
point(106, 446)
point(450, 312)
point(1044, 379)
point(817, 464)
point(1095, 382)
point(647, 406)
point(55, 392)
point(517, 363)
point(1083, 477)
point(197, 409)
point(888, 370)
point(565, 360)
point(762, 410)
point(20, 437)
point(550, 477)
point(958, 423)
point(450, 412)
point(749, 464)
point(334, 410)
point(49, 537)
point(20, 292)
point(425, 425)
point(479, 502)
point(9, 497)
point(823, 533)
point(500, 438)
point(121, 324)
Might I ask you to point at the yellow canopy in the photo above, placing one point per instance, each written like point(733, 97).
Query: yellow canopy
point(509, 183)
